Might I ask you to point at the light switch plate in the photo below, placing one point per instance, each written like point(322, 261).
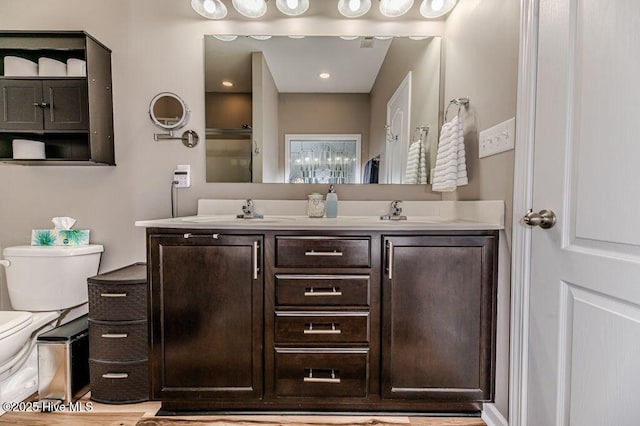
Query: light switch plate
point(497, 139)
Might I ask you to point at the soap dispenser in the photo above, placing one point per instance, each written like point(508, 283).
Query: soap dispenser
point(331, 203)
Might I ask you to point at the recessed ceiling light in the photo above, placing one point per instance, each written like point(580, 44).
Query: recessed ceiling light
point(227, 83)
point(349, 37)
point(261, 37)
point(296, 36)
point(324, 75)
point(383, 37)
point(418, 38)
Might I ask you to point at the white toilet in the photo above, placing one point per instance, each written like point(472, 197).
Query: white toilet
point(47, 287)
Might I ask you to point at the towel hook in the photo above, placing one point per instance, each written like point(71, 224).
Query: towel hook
point(464, 101)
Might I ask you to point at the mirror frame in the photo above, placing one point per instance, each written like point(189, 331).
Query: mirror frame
point(185, 111)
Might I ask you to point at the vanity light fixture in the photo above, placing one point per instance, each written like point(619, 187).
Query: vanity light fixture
point(395, 8)
point(436, 8)
point(250, 8)
point(353, 8)
point(292, 7)
point(211, 9)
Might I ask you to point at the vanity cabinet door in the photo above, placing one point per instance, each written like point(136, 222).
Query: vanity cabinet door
point(438, 328)
point(206, 307)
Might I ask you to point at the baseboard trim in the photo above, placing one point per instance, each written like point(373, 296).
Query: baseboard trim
point(492, 416)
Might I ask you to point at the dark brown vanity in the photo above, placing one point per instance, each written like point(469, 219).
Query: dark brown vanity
point(322, 320)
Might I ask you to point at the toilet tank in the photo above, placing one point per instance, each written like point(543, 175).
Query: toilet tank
point(50, 278)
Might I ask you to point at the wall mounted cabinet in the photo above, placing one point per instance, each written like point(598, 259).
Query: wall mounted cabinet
point(322, 320)
point(72, 115)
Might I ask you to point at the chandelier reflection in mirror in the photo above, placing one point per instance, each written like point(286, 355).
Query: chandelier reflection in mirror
point(326, 158)
point(216, 9)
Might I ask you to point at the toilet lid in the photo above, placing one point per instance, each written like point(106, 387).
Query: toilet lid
point(13, 321)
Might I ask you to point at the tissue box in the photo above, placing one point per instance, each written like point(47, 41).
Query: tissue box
point(59, 237)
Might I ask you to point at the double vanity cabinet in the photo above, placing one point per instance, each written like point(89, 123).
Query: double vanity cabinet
point(384, 320)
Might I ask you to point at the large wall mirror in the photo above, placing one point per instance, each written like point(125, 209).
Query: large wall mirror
point(263, 93)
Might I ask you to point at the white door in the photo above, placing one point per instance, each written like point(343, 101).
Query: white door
point(584, 320)
point(398, 131)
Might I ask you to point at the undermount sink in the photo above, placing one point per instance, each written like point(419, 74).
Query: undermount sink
point(234, 219)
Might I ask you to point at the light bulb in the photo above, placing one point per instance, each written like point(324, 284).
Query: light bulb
point(250, 8)
point(292, 7)
point(354, 8)
point(436, 8)
point(209, 6)
point(211, 9)
point(395, 8)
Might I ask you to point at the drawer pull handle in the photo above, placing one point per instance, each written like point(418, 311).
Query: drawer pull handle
point(190, 235)
point(113, 294)
point(390, 259)
point(115, 376)
point(323, 253)
point(332, 330)
point(256, 269)
point(322, 292)
point(310, 379)
point(115, 335)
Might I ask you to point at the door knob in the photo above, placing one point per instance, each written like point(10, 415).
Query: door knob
point(545, 219)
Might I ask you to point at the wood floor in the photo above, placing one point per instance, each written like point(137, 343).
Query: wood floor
point(143, 415)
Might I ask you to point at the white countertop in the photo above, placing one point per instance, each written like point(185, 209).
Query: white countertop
point(357, 215)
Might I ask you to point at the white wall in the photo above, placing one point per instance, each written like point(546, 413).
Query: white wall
point(481, 50)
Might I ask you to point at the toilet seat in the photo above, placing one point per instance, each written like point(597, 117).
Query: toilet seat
point(13, 321)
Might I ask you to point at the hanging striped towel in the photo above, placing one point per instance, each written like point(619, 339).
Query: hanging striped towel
point(451, 166)
point(416, 171)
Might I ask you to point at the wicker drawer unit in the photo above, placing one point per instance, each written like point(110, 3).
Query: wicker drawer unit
point(118, 343)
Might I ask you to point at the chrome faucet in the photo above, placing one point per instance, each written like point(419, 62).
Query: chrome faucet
point(395, 212)
point(248, 211)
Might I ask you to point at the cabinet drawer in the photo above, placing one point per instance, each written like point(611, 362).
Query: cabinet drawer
point(113, 302)
point(322, 290)
point(118, 342)
point(119, 383)
point(322, 327)
point(319, 251)
point(321, 373)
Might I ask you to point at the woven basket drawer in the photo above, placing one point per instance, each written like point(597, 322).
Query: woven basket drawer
point(114, 302)
point(119, 383)
point(118, 341)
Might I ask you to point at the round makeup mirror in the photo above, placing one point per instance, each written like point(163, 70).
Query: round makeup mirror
point(168, 111)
